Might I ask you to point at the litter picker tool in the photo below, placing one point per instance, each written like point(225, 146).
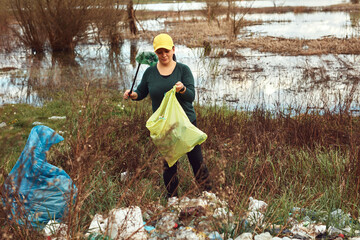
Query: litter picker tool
point(148, 58)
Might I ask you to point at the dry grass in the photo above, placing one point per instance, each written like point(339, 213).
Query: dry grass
point(296, 47)
point(288, 159)
point(193, 34)
point(276, 9)
point(263, 154)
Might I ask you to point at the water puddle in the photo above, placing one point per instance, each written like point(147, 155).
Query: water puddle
point(288, 25)
point(249, 80)
point(306, 25)
point(289, 3)
point(184, 6)
point(277, 81)
point(255, 79)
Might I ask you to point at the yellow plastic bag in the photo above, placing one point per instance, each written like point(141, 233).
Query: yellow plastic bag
point(171, 130)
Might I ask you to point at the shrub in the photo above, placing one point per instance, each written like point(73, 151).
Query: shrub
point(63, 23)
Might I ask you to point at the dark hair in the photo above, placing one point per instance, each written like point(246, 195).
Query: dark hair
point(174, 57)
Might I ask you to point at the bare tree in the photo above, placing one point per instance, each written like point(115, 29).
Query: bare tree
point(65, 21)
point(229, 3)
point(131, 17)
point(236, 18)
point(109, 20)
point(61, 23)
point(31, 31)
point(211, 10)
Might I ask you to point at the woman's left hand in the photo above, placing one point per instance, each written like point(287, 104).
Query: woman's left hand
point(179, 85)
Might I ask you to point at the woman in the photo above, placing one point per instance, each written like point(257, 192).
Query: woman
point(156, 81)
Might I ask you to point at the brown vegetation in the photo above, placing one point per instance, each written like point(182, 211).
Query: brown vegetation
point(259, 153)
point(193, 34)
point(6, 36)
point(63, 24)
point(295, 47)
point(222, 33)
point(39, 25)
point(223, 9)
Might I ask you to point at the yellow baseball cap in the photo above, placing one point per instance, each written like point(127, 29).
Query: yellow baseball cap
point(163, 40)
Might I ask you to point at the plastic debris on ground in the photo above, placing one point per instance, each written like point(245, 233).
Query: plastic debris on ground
point(186, 233)
point(53, 228)
point(263, 236)
point(195, 216)
point(98, 236)
point(123, 223)
point(257, 205)
point(35, 191)
point(98, 224)
point(245, 236)
point(204, 217)
point(255, 216)
point(124, 176)
point(215, 236)
point(57, 117)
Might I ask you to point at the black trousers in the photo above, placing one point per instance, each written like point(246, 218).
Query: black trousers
point(199, 168)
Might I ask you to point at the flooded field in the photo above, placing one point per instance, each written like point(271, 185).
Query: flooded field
point(250, 80)
point(306, 25)
point(193, 5)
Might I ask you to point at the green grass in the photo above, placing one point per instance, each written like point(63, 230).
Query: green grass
point(307, 161)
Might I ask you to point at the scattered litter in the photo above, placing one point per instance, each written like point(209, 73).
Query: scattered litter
point(302, 231)
point(53, 228)
point(123, 176)
point(97, 225)
point(215, 236)
point(257, 205)
point(37, 123)
point(193, 218)
point(192, 212)
point(245, 236)
point(3, 124)
point(149, 229)
point(121, 224)
point(276, 238)
point(320, 229)
point(57, 117)
point(98, 236)
point(255, 216)
point(334, 231)
point(263, 236)
point(167, 222)
point(185, 233)
point(340, 218)
point(222, 213)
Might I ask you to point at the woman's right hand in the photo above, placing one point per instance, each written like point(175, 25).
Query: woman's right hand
point(133, 95)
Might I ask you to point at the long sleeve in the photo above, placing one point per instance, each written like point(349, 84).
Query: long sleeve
point(142, 89)
point(187, 79)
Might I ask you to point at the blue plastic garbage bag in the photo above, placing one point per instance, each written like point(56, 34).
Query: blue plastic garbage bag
point(36, 191)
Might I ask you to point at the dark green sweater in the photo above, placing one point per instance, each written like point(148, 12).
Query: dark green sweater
point(157, 85)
